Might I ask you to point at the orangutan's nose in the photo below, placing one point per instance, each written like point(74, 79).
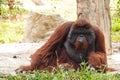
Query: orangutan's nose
point(81, 39)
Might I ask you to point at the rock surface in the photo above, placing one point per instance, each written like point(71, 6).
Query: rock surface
point(38, 24)
point(16, 54)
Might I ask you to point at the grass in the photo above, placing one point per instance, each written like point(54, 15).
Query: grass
point(115, 36)
point(61, 74)
point(115, 29)
point(10, 31)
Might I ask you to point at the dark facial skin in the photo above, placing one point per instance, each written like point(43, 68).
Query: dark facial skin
point(81, 40)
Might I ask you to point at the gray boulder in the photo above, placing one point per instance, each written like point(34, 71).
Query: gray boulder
point(40, 25)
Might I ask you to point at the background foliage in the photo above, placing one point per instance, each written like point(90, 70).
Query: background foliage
point(115, 17)
point(7, 13)
point(11, 28)
point(8, 23)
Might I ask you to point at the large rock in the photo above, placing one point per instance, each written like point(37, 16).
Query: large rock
point(38, 24)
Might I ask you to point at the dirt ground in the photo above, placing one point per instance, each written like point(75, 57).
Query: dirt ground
point(15, 54)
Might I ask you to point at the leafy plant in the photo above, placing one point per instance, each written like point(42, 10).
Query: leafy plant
point(7, 13)
point(118, 8)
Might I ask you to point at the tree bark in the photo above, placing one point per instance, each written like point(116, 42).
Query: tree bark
point(98, 13)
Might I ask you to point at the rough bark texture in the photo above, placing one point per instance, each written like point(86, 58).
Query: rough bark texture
point(97, 12)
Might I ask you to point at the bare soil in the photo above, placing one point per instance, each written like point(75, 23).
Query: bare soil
point(15, 54)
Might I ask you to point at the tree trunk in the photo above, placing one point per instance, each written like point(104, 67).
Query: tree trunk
point(97, 12)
